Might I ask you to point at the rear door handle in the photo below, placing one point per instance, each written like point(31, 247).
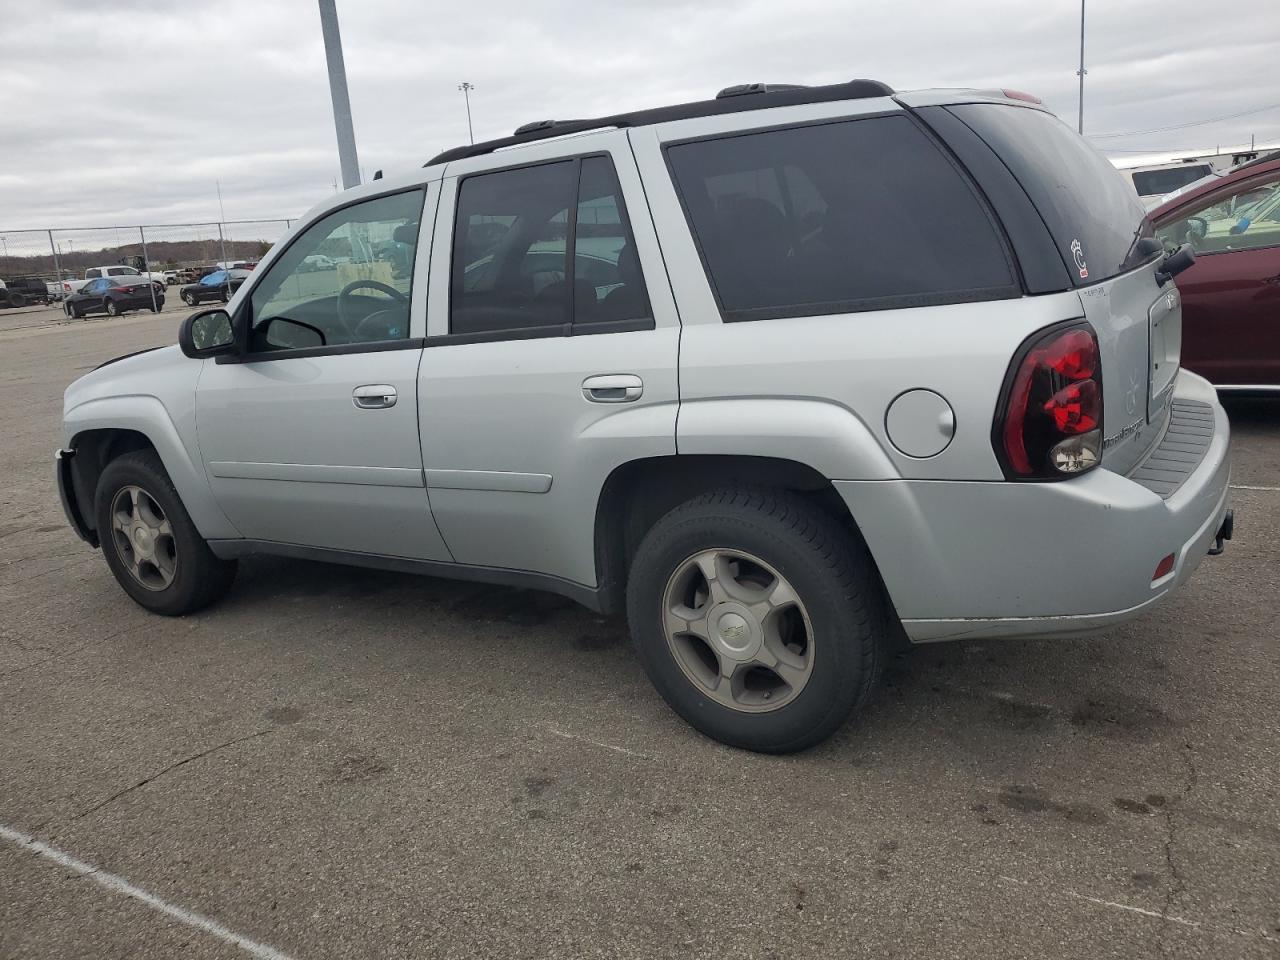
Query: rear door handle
point(374, 396)
point(613, 388)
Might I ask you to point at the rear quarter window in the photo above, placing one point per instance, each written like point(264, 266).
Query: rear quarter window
point(1093, 213)
point(837, 217)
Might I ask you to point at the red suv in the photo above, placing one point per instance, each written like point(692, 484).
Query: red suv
point(1231, 295)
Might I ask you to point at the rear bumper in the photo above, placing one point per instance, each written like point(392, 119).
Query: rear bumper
point(67, 494)
point(976, 559)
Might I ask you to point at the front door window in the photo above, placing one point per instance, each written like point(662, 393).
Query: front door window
point(345, 280)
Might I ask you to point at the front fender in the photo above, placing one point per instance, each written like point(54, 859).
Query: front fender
point(147, 415)
point(821, 435)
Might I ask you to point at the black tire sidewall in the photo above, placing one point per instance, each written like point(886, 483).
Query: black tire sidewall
point(843, 625)
point(200, 575)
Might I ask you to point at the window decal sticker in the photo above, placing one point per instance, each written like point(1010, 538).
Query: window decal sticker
point(1077, 253)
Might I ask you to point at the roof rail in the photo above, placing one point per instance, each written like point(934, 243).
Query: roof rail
point(736, 99)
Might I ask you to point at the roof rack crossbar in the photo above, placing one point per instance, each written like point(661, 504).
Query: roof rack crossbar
point(749, 96)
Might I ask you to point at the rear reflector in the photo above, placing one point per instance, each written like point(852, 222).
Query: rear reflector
point(1163, 568)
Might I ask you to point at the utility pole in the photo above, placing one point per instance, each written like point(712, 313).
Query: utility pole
point(1081, 72)
point(466, 89)
point(338, 92)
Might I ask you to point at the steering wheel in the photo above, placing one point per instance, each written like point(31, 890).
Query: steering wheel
point(346, 292)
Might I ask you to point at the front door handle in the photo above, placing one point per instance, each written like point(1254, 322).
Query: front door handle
point(613, 388)
point(374, 396)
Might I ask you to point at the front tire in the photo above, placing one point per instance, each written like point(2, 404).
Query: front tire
point(757, 617)
point(189, 298)
point(149, 541)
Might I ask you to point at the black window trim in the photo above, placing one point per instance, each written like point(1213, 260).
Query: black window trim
point(568, 328)
point(242, 320)
point(863, 304)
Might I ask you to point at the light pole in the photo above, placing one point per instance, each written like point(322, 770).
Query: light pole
point(338, 93)
point(1081, 72)
point(466, 89)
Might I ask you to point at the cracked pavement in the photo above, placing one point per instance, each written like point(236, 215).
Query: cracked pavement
point(347, 763)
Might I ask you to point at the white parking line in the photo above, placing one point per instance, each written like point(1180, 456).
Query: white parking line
point(1241, 486)
point(122, 886)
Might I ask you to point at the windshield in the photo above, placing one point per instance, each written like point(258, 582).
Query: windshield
point(1090, 208)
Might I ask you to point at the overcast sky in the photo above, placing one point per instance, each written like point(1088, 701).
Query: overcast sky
point(131, 110)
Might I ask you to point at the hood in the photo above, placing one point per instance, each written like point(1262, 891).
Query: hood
point(148, 372)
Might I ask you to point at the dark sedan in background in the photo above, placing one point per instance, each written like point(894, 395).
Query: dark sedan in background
point(219, 285)
point(114, 296)
point(1231, 294)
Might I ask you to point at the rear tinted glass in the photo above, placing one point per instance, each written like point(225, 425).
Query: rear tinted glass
point(1156, 183)
point(1094, 215)
point(837, 217)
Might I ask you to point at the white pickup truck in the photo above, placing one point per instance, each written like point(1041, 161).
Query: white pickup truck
point(71, 286)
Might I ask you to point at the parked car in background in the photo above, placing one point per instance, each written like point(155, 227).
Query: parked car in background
point(218, 285)
point(23, 291)
point(110, 270)
point(115, 296)
point(170, 277)
point(1156, 176)
point(805, 372)
point(1231, 295)
point(54, 289)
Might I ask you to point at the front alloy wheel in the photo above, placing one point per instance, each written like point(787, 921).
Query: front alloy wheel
point(143, 538)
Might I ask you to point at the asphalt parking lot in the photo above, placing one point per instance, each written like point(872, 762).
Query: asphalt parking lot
point(341, 763)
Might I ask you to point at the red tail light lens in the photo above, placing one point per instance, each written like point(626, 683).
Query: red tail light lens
point(119, 289)
point(1049, 424)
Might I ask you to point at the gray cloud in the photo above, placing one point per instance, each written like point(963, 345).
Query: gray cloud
point(130, 111)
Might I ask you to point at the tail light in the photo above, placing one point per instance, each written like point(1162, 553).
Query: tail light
point(119, 289)
point(1049, 422)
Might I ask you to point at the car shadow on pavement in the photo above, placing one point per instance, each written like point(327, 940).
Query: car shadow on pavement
point(940, 704)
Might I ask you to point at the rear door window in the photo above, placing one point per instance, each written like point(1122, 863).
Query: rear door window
point(546, 248)
point(1095, 217)
point(837, 217)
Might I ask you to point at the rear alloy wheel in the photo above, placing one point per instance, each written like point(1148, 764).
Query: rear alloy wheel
point(112, 309)
point(759, 619)
point(737, 628)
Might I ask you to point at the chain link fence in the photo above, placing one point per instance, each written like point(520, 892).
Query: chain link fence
point(181, 251)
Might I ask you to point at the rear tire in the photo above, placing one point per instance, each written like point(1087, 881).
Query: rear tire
point(831, 600)
point(112, 309)
point(158, 558)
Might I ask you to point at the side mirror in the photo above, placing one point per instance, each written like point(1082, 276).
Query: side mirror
point(1174, 263)
point(207, 334)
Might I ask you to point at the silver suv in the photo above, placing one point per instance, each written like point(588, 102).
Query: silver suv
point(790, 376)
